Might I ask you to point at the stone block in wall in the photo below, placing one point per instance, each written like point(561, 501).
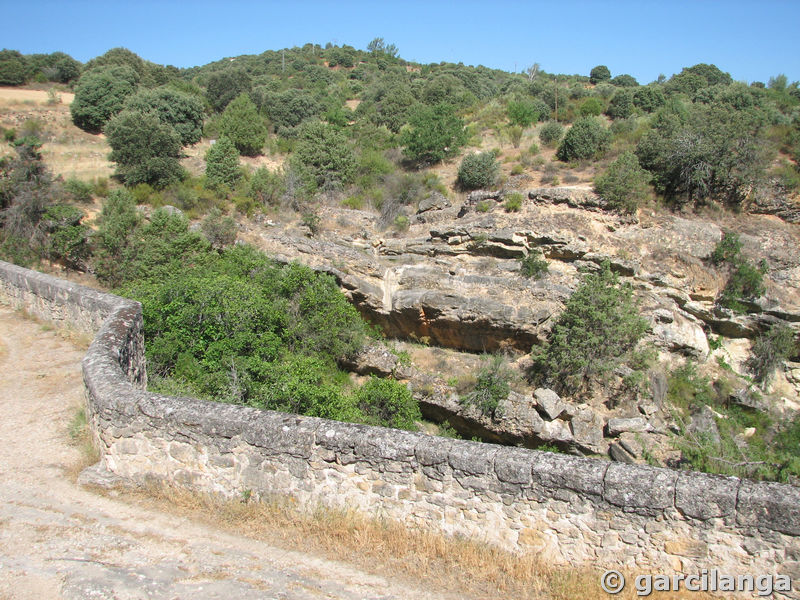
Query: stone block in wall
point(769, 505)
point(634, 486)
point(703, 496)
point(279, 433)
point(551, 472)
point(340, 438)
point(513, 465)
point(471, 458)
point(388, 446)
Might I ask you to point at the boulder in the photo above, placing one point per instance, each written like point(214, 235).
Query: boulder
point(548, 403)
point(575, 197)
point(620, 425)
point(373, 359)
point(587, 431)
point(619, 454)
point(435, 201)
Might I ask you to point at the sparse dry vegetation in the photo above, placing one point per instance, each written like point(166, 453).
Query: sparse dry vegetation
point(471, 568)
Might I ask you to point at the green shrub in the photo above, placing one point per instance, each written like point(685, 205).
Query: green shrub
point(145, 149)
point(245, 205)
point(484, 206)
point(621, 105)
point(769, 350)
point(67, 238)
point(222, 163)
point(355, 202)
point(624, 185)
point(114, 241)
point(434, 133)
point(100, 94)
point(128, 248)
point(517, 170)
point(78, 191)
point(241, 328)
point(550, 133)
point(599, 74)
point(225, 85)
point(746, 282)
point(34, 128)
point(491, 388)
point(624, 80)
point(478, 171)
point(513, 202)
point(323, 155)
point(585, 139)
point(266, 187)
point(312, 221)
point(220, 230)
point(728, 249)
point(591, 107)
point(771, 453)
point(515, 135)
point(688, 390)
point(242, 124)
point(597, 332)
point(534, 265)
point(533, 150)
point(401, 222)
point(101, 187)
point(649, 98)
point(13, 68)
point(704, 151)
point(522, 113)
point(789, 175)
point(184, 112)
point(387, 403)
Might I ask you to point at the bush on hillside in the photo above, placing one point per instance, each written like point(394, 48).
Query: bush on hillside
point(598, 331)
point(522, 112)
point(599, 74)
point(183, 112)
point(624, 185)
point(99, 95)
point(585, 139)
point(434, 133)
point(145, 149)
point(478, 171)
point(242, 124)
point(222, 163)
point(323, 155)
point(769, 351)
point(550, 133)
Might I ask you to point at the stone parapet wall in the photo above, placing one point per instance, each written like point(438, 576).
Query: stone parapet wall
point(568, 509)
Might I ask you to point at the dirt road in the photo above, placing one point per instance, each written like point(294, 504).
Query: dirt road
point(60, 541)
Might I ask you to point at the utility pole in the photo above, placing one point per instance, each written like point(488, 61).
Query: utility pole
point(556, 80)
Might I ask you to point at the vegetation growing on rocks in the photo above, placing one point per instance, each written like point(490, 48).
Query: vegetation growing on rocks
point(598, 332)
point(351, 160)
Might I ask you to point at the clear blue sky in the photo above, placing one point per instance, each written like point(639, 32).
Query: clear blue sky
point(752, 40)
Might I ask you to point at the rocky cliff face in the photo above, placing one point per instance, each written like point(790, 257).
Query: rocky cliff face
point(453, 280)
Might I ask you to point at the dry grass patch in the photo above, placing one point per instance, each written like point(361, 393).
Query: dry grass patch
point(80, 436)
point(80, 339)
point(388, 548)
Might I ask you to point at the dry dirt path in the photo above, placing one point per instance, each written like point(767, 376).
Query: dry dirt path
point(60, 541)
